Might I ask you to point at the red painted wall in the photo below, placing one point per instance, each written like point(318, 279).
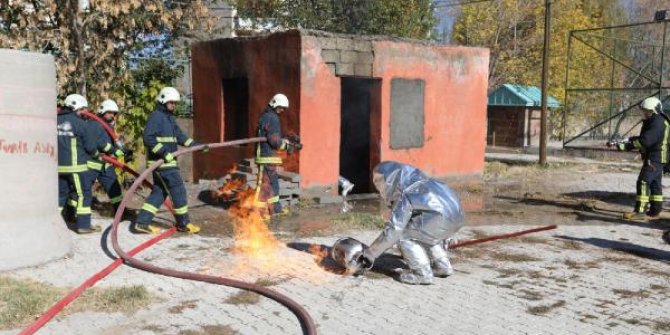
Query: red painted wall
point(456, 80)
point(291, 63)
point(271, 64)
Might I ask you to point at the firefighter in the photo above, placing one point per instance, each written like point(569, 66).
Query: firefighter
point(425, 213)
point(653, 145)
point(161, 137)
point(76, 145)
point(98, 169)
point(267, 189)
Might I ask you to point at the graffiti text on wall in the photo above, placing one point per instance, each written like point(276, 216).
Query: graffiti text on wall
point(26, 148)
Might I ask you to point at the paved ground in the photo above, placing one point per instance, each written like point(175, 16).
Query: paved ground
point(595, 274)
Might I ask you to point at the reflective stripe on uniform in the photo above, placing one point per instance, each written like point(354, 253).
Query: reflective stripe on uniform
point(169, 139)
point(116, 200)
point(72, 203)
point(188, 142)
point(80, 196)
point(273, 199)
point(656, 197)
point(156, 148)
point(94, 165)
point(637, 145)
point(107, 147)
point(149, 208)
point(72, 169)
point(73, 151)
point(181, 210)
point(664, 143)
point(171, 164)
point(268, 160)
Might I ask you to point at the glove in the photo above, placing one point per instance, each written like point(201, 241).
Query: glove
point(119, 153)
point(363, 262)
point(621, 146)
point(168, 158)
point(295, 138)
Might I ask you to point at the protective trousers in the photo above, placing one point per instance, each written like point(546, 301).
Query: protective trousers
point(167, 182)
point(110, 183)
point(419, 257)
point(78, 184)
point(649, 188)
point(267, 188)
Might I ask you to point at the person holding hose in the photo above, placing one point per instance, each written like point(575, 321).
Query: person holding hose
point(162, 135)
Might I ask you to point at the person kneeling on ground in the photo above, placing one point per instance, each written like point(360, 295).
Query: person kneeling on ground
point(424, 214)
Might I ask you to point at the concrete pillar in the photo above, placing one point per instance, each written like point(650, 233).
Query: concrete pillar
point(31, 229)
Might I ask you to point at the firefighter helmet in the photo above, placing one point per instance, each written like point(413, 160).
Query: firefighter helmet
point(652, 104)
point(168, 94)
point(346, 252)
point(279, 100)
point(108, 106)
point(76, 102)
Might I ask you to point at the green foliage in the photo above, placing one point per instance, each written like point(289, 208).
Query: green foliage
point(141, 100)
point(513, 30)
point(409, 18)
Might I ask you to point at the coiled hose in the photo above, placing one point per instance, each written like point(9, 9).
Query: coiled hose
point(305, 319)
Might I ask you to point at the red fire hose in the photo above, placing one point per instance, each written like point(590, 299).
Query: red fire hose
point(498, 237)
point(306, 321)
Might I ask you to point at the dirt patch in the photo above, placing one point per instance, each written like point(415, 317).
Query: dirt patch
point(184, 305)
point(509, 256)
point(545, 309)
point(572, 264)
point(210, 330)
point(243, 298)
point(629, 294)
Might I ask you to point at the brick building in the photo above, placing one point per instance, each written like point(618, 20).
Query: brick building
point(354, 100)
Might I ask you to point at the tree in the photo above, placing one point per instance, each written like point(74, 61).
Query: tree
point(92, 40)
point(513, 31)
point(410, 18)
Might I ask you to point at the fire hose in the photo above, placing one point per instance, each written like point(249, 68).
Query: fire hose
point(305, 319)
point(459, 244)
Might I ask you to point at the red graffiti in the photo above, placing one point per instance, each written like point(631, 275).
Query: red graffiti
point(21, 147)
point(44, 148)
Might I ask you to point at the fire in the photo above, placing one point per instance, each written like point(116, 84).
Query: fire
point(255, 246)
point(319, 252)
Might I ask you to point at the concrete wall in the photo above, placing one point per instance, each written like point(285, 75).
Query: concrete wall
point(270, 64)
point(32, 230)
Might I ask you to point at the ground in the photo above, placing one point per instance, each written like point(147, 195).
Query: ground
point(594, 274)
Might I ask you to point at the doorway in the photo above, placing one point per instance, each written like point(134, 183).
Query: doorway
point(360, 131)
point(236, 109)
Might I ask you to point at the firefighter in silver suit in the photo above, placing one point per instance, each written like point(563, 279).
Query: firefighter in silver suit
point(424, 214)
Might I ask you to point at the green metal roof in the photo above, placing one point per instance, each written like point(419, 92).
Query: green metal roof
point(519, 95)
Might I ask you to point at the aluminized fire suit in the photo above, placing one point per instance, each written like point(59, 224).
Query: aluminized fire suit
point(424, 212)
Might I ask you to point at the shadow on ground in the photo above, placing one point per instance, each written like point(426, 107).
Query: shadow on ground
point(629, 248)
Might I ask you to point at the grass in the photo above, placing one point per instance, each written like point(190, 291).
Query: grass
point(245, 297)
point(21, 300)
point(572, 264)
point(178, 309)
point(662, 326)
point(359, 220)
point(545, 309)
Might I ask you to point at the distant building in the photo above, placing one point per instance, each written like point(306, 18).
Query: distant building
point(514, 115)
point(354, 100)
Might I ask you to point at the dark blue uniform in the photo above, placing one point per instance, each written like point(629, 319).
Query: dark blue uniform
point(76, 145)
point(161, 137)
point(653, 145)
point(101, 170)
point(267, 189)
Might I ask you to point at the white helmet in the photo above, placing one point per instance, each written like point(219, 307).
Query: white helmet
point(651, 104)
point(108, 106)
point(168, 94)
point(279, 100)
point(76, 102)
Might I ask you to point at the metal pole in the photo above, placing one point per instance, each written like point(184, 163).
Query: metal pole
point(609, 125)
point(567, 84)
point(660, 75)
point(545, 71)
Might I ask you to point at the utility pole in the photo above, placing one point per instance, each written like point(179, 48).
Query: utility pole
point(545, 72)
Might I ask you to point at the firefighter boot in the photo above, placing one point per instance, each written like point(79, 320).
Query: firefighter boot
point(189, 228)
point(442, 268)
point(146, 228)
point(634, 216)
point(416, 277)
point(88, 230)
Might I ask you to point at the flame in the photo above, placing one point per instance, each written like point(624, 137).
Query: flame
point(319, 252)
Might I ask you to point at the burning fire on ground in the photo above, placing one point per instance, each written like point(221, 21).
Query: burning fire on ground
point(256, 249)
